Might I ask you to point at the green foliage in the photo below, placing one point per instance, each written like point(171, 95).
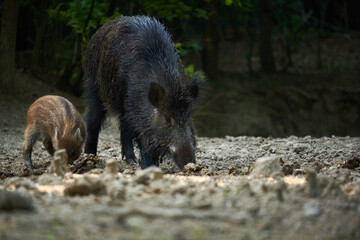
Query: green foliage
point(290, 22)
point(186, 48)
point(24, 2)
point(191, 73)
point(76, 15)
point(233, 2)
point(174, 9)
point(107, 19)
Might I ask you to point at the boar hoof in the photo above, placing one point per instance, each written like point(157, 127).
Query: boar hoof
point(29, 166)
point(131, 161)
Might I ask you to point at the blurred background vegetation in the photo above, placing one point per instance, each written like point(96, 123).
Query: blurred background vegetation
point(273, 67)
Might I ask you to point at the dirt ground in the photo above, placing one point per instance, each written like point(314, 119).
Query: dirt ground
point(240, 188)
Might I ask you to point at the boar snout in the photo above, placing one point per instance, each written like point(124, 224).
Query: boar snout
point(183, 154)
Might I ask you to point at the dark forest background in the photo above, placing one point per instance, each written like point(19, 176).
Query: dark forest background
point(273, 67)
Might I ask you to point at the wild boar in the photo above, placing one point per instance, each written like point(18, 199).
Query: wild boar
point(133, 71)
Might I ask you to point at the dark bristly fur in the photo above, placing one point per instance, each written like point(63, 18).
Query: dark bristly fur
point(133, 70)
point(57, 122)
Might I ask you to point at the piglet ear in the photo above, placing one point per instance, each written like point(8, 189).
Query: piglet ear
point(156, 94)
point(56, 135)
point(78, 135)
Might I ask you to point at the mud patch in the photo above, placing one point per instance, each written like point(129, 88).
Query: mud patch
point(85, 163)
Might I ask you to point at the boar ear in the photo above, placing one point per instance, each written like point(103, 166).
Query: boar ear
point(56, 134)
point(156, 94)
point(193, 89)
point(78, 135)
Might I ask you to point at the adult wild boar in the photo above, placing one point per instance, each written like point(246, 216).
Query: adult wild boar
point(133, 71)
point(56, 121)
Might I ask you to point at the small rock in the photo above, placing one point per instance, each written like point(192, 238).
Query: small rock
point(148, 175)
point(85, 163)
point(311, 209)
point(299, 171)
point(191, 167)
point(116, 191)
point(159, 187)
point(17, 182)
point(129, 171)
point(206, 172)
point(111, 166)
point(272, 150)
point(204, 204)
point(50, 179)
point(85, 186)
point(300, 147)
point(10, 201)
point(135, 222)
point(96, 171)
point(279, 188)
point(181, 189)
point(111, 150)
point(288, 168)
point(266, 146)
point(90, 164)
point(266, 167)
point(312, 185)
point(233, 170)
point(200, 202)
point(58, 163)
point(330, 187)
point(229, 138)
point(136, 190)
point(352, 163)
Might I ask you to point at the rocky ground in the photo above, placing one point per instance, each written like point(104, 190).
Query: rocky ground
point(240, 188)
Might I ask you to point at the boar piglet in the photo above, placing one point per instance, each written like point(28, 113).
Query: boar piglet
point(133, 71)
point(56, 122)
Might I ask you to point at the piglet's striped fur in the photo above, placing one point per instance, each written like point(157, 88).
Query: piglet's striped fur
point(55, 121)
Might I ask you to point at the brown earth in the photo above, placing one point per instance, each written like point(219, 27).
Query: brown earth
point(299, 188)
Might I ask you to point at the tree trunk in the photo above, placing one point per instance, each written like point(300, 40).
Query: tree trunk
point(111, 8)
point(323, 7)
point(266, 8)
point(75, 65)
point(7, 45)
point(40, 16)
point(251, 46)
point(211, 42)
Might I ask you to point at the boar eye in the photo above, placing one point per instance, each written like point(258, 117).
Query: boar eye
point(170, 121)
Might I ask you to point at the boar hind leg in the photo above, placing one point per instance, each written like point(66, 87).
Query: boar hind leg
point(94, 118)
point(127, 147)
point(31, 136)
point(49, 146)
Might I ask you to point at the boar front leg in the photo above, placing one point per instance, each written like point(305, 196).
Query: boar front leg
point(148, 157)
point(31, 135)
point(156, 159)
point(127, 147)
